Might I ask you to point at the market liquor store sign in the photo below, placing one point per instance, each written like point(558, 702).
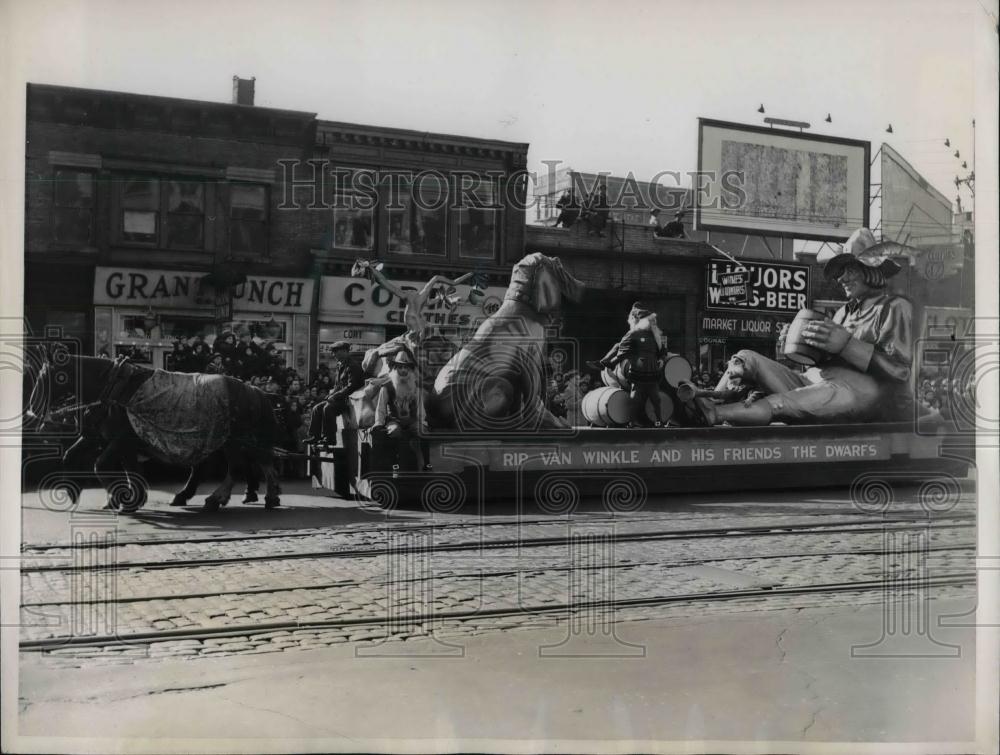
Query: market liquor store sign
point(758, 286)
point(688, 454)
point(175, 289)
point(741, 327)
point(357, 300)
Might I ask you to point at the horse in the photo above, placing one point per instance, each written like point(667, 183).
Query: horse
point(177, 418)
point(496, 380)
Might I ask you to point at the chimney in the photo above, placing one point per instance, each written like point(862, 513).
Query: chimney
point(243, 90)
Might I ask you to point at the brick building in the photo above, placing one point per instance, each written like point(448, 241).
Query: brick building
point(133, 201)
point(144, 214)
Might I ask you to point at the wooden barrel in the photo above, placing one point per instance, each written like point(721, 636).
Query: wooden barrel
point(606, 407)
point(676, 370)
point(614, 377)
point(666, 409)
point(796, 348)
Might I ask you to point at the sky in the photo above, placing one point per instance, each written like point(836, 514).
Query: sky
point(613, 86)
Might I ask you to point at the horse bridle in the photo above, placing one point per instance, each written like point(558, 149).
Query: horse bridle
point(104, 400)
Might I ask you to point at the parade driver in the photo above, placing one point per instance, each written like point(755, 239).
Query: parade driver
point(865, 372)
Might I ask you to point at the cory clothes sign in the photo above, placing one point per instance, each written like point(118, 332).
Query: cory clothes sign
point(357, 300)
point(758, 286)
point(177, 289)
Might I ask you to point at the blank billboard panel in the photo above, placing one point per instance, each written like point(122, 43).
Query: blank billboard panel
point(780, 183)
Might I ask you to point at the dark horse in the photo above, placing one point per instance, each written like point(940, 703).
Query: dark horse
point(179, 419)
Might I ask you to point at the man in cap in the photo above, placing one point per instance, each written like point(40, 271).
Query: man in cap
point(674, 229)
point(323, 421)
point(868, 354)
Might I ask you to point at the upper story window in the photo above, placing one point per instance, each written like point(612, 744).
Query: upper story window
point(185, 214)
point(248, 219)
point(73, 208)
point(478, 218)
point(418, 221)
point(354, 206)
point(163, 212)
point(140, 201)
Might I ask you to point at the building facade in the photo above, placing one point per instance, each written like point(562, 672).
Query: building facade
point(153, 220)
point(134, 201)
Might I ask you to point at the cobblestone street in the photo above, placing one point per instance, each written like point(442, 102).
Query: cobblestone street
point(120, 592)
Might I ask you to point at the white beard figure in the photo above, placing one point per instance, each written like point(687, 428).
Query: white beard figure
point(407, 394)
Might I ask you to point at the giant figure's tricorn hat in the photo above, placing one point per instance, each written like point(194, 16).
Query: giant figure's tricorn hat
point(862, 247)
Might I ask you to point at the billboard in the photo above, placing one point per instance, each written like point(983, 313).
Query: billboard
point(756, 286)
point(780, 183)
point(913, 211)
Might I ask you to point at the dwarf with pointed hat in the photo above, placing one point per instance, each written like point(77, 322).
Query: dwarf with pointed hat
point(642, 351)
point(865, 353)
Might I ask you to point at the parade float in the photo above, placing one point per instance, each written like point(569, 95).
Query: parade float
point(494, 439)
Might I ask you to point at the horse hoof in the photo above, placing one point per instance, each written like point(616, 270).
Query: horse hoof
point(250, 498)
point(271, 502)
point(179, 501)
point(211, 504)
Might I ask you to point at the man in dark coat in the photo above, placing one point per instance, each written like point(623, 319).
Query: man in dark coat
point(349, 378)
point(674, 229)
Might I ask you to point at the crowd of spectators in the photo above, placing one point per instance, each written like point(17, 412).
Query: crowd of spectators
point(938, 392)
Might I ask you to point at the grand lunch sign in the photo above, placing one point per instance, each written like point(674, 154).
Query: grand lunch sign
point(178, 289)
point(350, 300)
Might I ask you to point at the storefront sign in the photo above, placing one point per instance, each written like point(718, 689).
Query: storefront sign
point(741, 327)
point(356, 300)
point(175, 289)
point(948, 323)
point(689, 454)
point(760, 286)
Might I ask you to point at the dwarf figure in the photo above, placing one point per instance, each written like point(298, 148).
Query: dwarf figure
point(641, 351)
point(397, 411)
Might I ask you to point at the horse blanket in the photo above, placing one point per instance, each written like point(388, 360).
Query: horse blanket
point(182, 417)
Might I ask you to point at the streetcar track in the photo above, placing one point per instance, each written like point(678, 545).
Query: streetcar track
point(407, 527)
point(663, 535)
point(201, 633)
point(529, 570)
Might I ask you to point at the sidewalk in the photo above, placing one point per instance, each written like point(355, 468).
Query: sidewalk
point(778, 676)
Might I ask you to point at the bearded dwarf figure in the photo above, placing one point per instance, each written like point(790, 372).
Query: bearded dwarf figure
point(865, 355)
point(397, 410)
point(497, 379)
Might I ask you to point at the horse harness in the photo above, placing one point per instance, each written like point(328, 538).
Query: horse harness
point(114, 395)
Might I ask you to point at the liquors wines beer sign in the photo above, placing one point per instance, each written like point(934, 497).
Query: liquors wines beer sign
point(758, 286)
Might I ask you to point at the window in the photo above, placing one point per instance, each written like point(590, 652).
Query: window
point(162, 212)
point(73, 212)
point(353, 210)
point(248, 219)
point(478, 219)
point(140, 209)
point(185, 214)
point(420, 227)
